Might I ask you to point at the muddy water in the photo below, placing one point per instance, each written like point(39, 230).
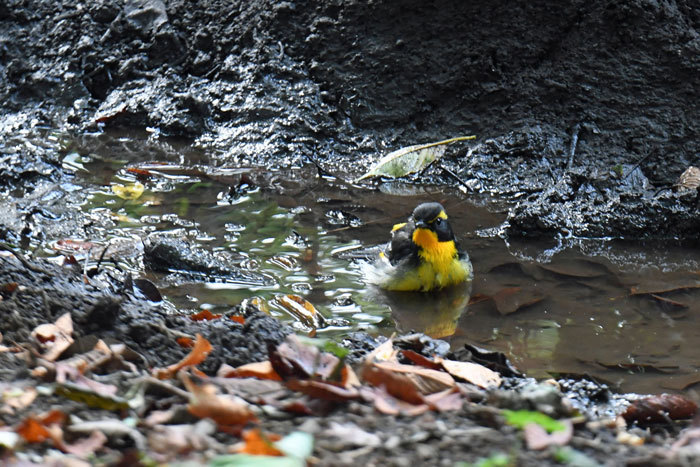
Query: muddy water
point(625, 313)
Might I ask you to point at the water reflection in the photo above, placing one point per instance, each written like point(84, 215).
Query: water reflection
point(435, 314)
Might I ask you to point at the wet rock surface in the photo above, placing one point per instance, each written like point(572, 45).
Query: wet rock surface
point(552, 91)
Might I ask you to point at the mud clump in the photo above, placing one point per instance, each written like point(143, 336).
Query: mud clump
point(42, 294)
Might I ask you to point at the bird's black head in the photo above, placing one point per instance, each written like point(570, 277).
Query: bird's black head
point(432, 216)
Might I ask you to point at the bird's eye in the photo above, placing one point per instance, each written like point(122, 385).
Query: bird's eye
point(438, 221)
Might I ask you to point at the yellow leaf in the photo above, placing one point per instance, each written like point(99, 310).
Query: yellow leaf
point(410, 159)
point(133, 191)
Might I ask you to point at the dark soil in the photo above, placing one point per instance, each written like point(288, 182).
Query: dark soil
point(586, 114)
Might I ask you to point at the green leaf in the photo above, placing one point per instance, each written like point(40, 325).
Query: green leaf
point(520, 418)
point(297, 444)
point(410, 159)
point(247, 460)
point(326, 345)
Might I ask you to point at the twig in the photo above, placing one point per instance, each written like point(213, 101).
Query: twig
point(456, 177)
point(25, 263)
point(572, 148)
point(636, 166)
point(151, 381)
point(172, 333)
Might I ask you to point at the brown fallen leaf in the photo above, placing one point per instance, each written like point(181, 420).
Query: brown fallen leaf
point(383, 352)
point(206, 403)
point(55, 338)
point(537, 437)
point(172, 441)
point(294, 359)
point(512, 299)
point(321, 390)
point(447, 400)
point(660, 408)
point(84, 447)
point(348, 378)
point(260, 370)
point(471, 372)
point(199, 352)
point(425, 380)
point(397, 384)
point(237, 318)
point(387, 404)
point(35, 429)
point(419, 359)
point(204, 315)
point(257, 443)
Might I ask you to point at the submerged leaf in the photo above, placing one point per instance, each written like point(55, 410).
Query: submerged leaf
point(410, 159)
point(133, 191)
point(301, 309)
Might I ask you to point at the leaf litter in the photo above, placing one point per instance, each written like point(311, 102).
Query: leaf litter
point(302, 376)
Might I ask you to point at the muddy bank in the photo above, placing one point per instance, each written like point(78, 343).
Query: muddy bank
point(566, 100)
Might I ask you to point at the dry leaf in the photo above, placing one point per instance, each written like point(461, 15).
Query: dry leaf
point(199, 352)
point(257, 443)
point(294, 359)
point(419, 359)
point(471, 372)
point(387, 404)
point(237, 318)
point(410, 159)
point(260, 370)
point(205, 403)
point(537, 437)
point(204, 315)
point(425, 380)
point(384, 352)
point(447, 400)
point(35, 430)
point(55, 338)
point(397, 384)
point(321, 390)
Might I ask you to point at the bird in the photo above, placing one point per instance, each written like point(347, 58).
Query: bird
point(423, 255)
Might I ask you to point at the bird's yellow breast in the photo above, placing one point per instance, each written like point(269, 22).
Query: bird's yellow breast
point(439, 265)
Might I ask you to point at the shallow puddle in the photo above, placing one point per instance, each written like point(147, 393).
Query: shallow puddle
point(625, 313)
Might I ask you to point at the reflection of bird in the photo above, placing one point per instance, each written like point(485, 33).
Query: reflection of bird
point(423, 254)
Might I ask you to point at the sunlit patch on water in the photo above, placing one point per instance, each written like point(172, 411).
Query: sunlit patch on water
point(624, 312)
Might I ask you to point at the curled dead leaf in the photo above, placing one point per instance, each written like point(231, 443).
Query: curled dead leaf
point(260, 370)
point(199, 352)
point(206, 403)
point(55, 338)
point(471, 372)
